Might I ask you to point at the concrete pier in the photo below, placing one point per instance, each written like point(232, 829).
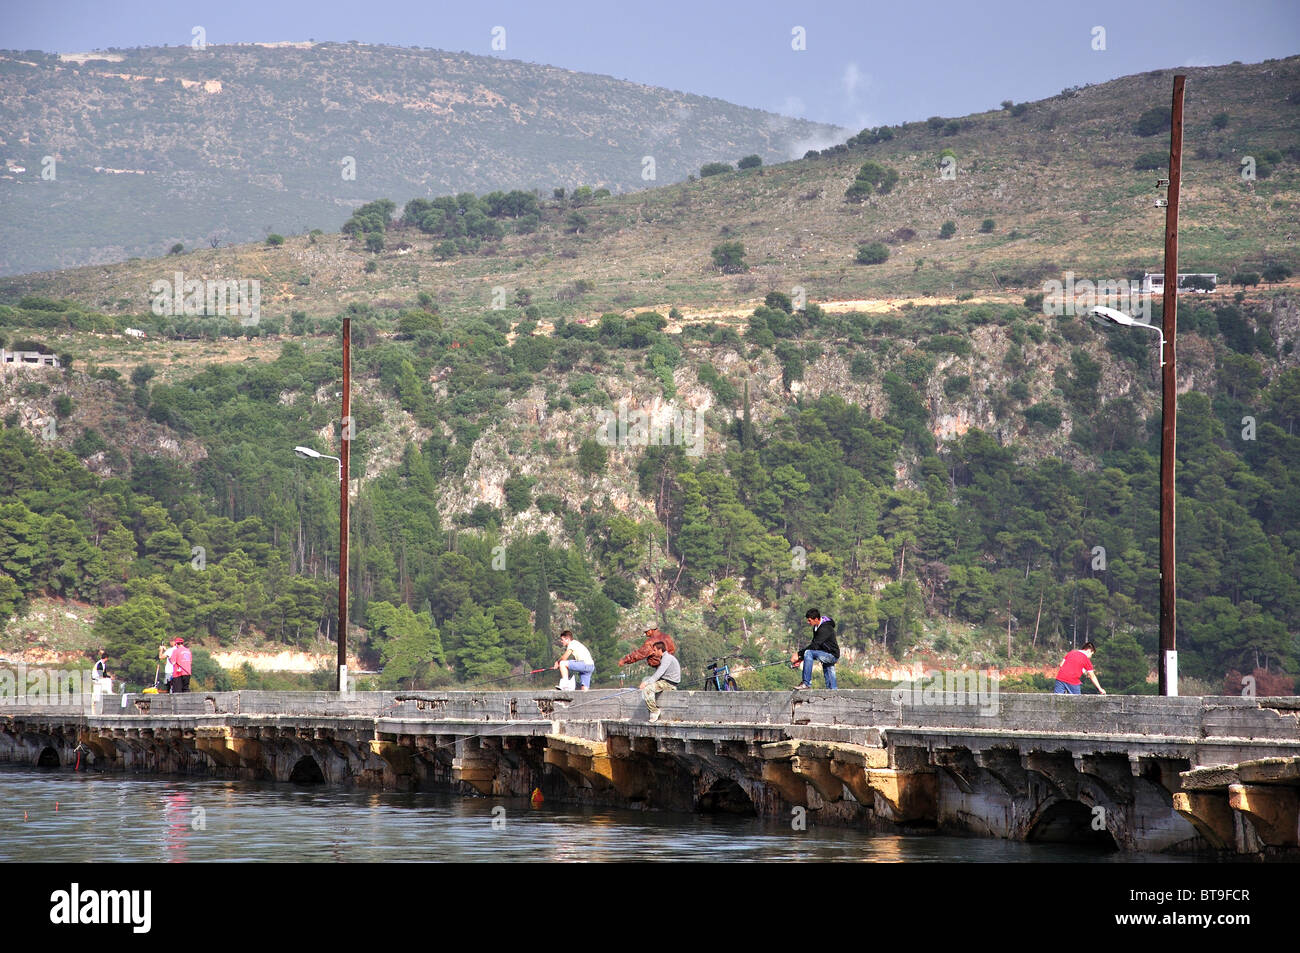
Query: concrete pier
point(1138, 773)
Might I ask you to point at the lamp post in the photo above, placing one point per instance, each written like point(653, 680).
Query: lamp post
point(345, 443)
point(1167, 663)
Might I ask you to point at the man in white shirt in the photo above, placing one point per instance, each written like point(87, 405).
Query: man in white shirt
point(576, 659)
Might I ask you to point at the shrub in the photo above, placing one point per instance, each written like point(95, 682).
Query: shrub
point(1150, 161)
point(713, 168)
point(987, 226)
point(273, 239)
point(1019, 109)
point(1151, 122)
point(1246, 278)
point(948, 230)
point(861, 366)
point(1275, 273)
point(1220, 121)
point(176, 249)
point(591, 457)
point(1047, 416)
point(872, 253)
point(749, 162)
point(730, 257)
point(872, 177)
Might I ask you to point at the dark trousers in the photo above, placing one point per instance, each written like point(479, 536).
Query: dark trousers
point(180, 683)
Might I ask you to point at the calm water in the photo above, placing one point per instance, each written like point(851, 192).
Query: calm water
point(116, 818)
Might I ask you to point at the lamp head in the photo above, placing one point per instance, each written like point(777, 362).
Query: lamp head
point(1112, 316)
point(305, 452)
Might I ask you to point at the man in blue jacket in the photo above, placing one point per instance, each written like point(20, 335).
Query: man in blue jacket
point(823, 648)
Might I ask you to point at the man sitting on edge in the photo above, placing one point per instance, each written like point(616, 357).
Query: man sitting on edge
point(663, 679)
point(823, 648)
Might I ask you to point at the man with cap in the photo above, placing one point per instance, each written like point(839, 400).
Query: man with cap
point(653, 656)
point(182, 661)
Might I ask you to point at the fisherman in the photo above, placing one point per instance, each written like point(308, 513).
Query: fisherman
point(665, 678)
point(577, 659)
point(165, 653)
point(823, 648)
point(101, 674)
point(181, 662)
point(1069, 678)
point(648, 651)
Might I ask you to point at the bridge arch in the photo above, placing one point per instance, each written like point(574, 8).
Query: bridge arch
point(306, 771)
point(1066, 821)
point(726, 796)
point(48, 758)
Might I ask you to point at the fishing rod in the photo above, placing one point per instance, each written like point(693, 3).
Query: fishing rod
point(506, 678)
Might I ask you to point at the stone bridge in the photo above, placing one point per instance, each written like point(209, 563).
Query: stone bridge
point(1136, 773)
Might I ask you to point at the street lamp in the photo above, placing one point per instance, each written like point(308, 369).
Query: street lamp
point(1168, 660)
point(1111, 316)
point(316, 455)
point(345, 446)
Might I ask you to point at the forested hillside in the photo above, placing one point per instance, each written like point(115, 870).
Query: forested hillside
point(492, 509)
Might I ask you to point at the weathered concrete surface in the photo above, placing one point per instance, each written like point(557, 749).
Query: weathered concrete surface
point(1139, 772)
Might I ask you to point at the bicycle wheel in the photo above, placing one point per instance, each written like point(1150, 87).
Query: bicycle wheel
point(711, 683)
point(731, 685)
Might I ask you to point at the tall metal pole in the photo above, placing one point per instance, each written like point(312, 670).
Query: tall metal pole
point(1168, 662)
point(345, 445)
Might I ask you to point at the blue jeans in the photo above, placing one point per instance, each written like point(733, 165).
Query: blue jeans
point(1065, 688)
point(581, 668)
point(828, 666)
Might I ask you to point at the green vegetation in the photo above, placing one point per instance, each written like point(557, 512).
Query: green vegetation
point(1152, 121)
point(872, 253)
point(730, 258)
point(873, 178)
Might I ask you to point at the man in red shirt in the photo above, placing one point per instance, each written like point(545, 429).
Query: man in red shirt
point(1069, 680)
point(653, 656)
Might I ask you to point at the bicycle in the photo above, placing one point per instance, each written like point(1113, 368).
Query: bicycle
point(719, 679)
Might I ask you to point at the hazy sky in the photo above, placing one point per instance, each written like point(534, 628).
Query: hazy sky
point(865, 63)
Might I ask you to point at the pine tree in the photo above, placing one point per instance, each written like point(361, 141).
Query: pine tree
point(481, 656)
point(542, 609)
point(746, 426)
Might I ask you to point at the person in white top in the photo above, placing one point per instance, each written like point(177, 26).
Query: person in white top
point(576, 659)
point(166, 653)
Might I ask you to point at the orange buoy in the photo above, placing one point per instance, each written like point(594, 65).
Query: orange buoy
point(537, 796)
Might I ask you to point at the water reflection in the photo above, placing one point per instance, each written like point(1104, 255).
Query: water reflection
point(176, 822)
